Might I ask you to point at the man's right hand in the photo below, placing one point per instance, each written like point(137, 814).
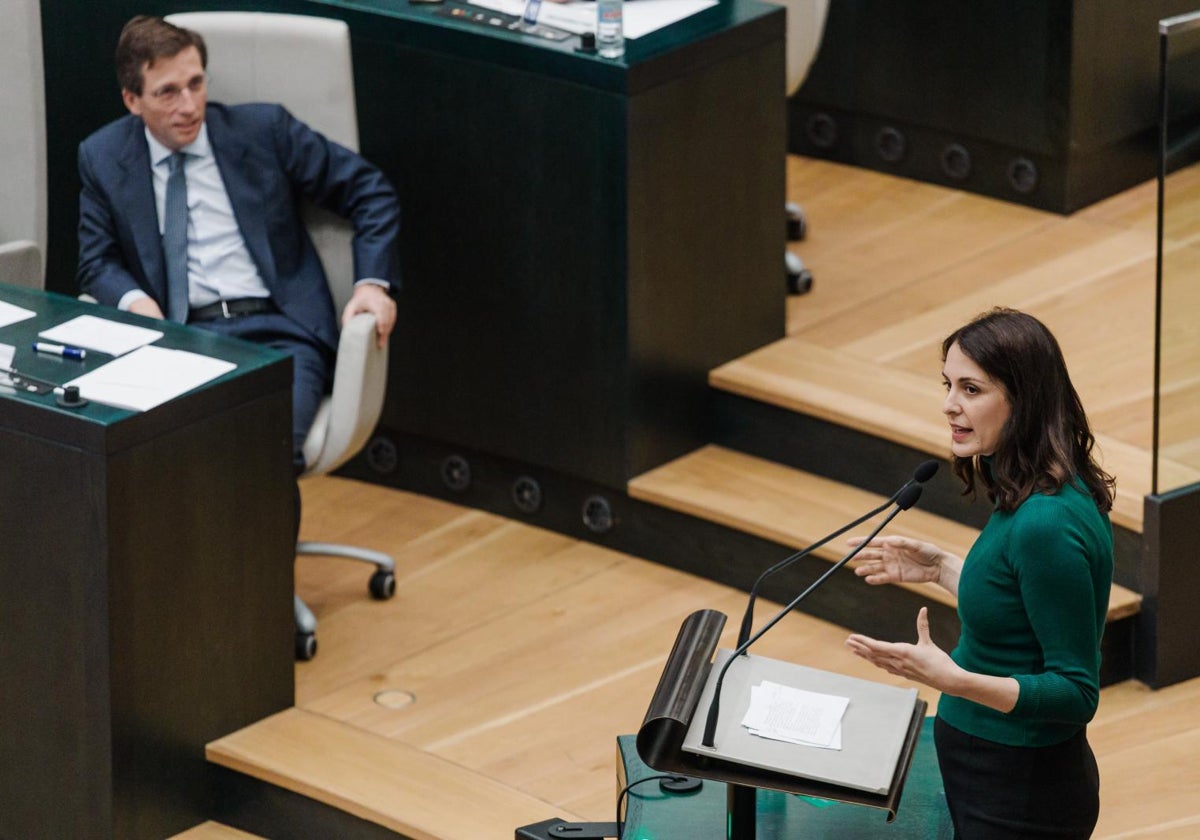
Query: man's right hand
point(146, 306)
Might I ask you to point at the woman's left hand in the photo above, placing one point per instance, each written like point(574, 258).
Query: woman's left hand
point(923, 662)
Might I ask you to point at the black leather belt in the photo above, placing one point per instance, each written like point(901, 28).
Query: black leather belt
point(235, 308)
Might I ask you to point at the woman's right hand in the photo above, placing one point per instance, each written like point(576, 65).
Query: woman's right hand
point(895, 559)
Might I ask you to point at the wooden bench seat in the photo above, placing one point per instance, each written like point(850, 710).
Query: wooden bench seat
point(905, 408)
point(795, 508)
point(407, 790)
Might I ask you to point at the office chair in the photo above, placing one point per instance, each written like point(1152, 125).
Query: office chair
point(304, 63)
point(805, 28)
point(22, 146)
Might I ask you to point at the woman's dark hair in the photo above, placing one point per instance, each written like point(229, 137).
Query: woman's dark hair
point(144, 40)
point(1046, 441)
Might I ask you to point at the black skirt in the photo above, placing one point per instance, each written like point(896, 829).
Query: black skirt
point(998, 792)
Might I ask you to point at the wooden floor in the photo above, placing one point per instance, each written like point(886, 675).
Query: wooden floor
point(521, 654)
point(900, 264)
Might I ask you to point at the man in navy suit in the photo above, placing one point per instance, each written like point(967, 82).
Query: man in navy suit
point(251, 268)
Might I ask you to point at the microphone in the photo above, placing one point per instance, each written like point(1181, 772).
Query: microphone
point(923, 473)
point(906, 498)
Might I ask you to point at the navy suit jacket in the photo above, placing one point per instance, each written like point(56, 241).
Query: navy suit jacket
point(268, 160)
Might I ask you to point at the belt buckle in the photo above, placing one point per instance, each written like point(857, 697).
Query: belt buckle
point(225, 309)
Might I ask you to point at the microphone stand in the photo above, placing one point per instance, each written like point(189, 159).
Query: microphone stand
point(923, 473)
point(24, 380)
point(742, 800)
point(748, 616)
point(907, 498)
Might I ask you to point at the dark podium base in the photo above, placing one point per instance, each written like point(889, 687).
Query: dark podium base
point(702, 816)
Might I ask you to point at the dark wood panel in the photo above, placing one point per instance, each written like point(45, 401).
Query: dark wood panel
point(1067, 86)
point(1169, 621)
point(146, 582)
point(56, 774)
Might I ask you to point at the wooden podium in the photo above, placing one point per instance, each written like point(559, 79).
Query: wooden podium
point(880, 732)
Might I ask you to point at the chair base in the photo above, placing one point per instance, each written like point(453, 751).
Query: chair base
point(306, 629)
point(381, 560)
point(382, 586)
point(799, 278)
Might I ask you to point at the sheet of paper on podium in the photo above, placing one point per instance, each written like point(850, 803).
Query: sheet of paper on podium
point(873, 727)
point(784, 713)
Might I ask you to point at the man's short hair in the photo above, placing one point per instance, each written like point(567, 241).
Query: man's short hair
point(144, 40)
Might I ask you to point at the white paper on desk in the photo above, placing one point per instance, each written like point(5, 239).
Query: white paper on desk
point(7, 351)
point(149, 376)
point(101, 334)
point(639, 18)
point(10, 314)
point(784, 713)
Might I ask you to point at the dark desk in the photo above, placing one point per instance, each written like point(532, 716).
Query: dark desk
point(583, 239)
point(145, 585)
point(701, 816)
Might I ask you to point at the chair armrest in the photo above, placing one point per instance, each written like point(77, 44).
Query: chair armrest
point(348, 415)
point(21, 264)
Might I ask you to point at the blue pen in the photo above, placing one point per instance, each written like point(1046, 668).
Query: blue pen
point(60, 350)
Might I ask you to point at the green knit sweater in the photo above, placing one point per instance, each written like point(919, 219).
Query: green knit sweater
point(1032, 598)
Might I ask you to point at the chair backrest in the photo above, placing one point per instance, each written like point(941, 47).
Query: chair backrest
point(805, 28)
point(303, 63)
point(23, 126)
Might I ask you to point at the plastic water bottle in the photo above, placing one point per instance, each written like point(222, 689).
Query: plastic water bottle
point(610, 32)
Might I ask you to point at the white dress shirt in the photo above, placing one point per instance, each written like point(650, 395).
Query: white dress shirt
point(219, 264)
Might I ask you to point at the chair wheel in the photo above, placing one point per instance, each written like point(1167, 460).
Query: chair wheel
point(382, 585)
point(797, 223)
point(799, 278)
point(306, 646)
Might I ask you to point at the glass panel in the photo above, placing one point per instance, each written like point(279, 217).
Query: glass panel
point(1177, 368)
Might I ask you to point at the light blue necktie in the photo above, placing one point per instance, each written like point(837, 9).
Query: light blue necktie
point(174, 239)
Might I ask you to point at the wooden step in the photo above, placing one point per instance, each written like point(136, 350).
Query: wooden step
point(407, 790)
point(796, 508)
point(214, 831)
point(905, 408)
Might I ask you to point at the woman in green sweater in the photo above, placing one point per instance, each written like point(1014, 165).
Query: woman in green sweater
point(1023, 682)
